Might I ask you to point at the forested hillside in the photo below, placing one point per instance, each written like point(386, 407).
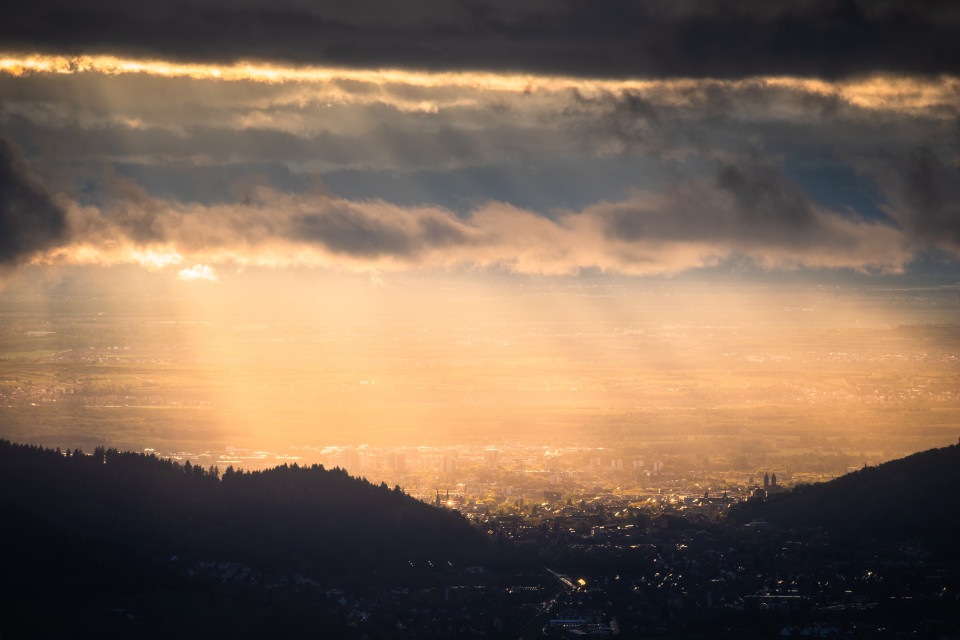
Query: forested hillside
point(120, 544)
point(914, 497)
point(307, 519)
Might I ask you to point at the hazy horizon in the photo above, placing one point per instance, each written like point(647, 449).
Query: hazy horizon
point(263, 360)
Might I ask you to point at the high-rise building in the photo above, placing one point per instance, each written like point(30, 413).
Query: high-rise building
point(449, 464)
point(398, 462)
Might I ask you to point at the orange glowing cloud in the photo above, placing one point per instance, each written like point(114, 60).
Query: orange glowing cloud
point(881, 92)
point(198, 272)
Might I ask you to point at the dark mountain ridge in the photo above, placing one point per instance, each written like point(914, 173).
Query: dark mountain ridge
point(305, 519)
point(916, 497)
point(121, 545)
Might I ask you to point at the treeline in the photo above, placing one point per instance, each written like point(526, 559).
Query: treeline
point(915, 497)
point(137, 507)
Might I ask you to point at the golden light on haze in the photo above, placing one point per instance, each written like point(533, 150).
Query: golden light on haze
point(307, 357)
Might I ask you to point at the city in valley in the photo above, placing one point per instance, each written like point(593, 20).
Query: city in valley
point(593, 542)
point(485, 482)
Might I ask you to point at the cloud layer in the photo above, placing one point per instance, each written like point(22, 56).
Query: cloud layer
point(161, 165)
point(30, 219)
point(621, 38)
point(696, 226)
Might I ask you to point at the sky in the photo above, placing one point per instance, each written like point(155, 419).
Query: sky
point(551, 138)
point(220, 146)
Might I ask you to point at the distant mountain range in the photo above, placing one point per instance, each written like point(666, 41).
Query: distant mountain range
point(916, 497)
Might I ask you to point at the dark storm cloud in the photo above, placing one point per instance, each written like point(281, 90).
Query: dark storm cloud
point(579, 37)
point(132, 209)
point(765, 198)
point(628, 120)
point(709, 116)
point(30, 219)
point(381, 146)
point(353, 233)
point(924, 197)
point(362, 233)
point(750, 204)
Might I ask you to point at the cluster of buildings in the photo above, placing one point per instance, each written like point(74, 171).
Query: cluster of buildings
point(625, 546)
point(519, 478)
point(664, 576)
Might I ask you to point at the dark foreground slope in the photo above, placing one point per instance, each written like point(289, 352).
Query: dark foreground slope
point(80, 533)
point(304, 519)
point(917, 497)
